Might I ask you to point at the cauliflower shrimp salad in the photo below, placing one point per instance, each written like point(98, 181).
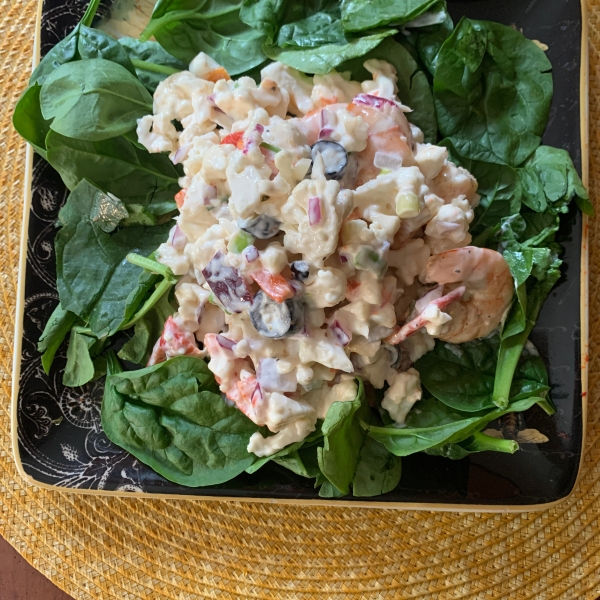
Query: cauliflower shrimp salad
point(318, 238)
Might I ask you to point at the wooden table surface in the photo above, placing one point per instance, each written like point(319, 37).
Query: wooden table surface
point(20, 581)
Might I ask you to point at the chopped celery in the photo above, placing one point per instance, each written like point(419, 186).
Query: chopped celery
point(239, 241)
point(407, 205)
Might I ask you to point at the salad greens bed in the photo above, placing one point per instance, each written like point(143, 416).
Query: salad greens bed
point(479, 88)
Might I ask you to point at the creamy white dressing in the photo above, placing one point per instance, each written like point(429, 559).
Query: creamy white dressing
point(365, 236)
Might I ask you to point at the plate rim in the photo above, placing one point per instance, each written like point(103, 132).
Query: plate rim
point(433, 507)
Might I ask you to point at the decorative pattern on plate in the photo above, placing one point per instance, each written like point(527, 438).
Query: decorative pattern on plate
point(61, 441)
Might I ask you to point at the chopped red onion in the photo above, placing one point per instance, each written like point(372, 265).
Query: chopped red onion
point(387, 160)
point(250, 253)
point(210, 194)
point(271, 380)
point(325, 133)
point(260, 128)
point(297, 286)
point(181, 153)
point(225, 342)
point(314, 211)
point(374, 101)
point(324, 118)
point(227, 284)
point(178, 239)
point(340, 335)
point(344, 258)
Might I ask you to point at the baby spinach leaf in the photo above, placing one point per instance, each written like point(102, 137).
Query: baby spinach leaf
point(186, 27)
point(114, 165)
point(80, 367)
point(550, 182)
point(378, 470)
point(463, 376)
point(342, 440)
point(492, 90)
point(360, 15)
point(315, 29)
point(435, 423)
point(324, 59)
point(413, 87)
point(326, 488)
point(303, 461)
point(152, 62)
point(263, 15)
point(29, 121)
point(146, 331)
point(94, 43)
point(171, 418)
point(94, 280)
point(93, 100)
point(57, 327)
point(430, 40)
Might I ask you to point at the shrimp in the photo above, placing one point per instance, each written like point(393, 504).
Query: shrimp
point(313, 122)
point(481, 291)
point(389, 133)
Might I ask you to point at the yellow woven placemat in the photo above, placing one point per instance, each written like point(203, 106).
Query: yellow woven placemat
point(97, 547)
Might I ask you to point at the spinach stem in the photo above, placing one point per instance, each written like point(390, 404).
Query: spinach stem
point(151, 265)
point(482, 442)
point(153, 67)
point(90, 13)
point(162, 288)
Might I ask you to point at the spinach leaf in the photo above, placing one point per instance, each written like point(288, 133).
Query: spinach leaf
point(343, 437)
point(321, 24)
point(93, 278)
point(263, 15)
point(492, 90)
point(146, 331)
point(29, 121)
point(550, 181)
point(93, 100)
point(360, 15)
point(462, 376)
point(114, 165)
point(326, 488)
point(478, 442)
point(430, 41)
point(152, 62)
point(324, 59)
point(57, 327)
point(80, 367)
point(413, 87)
point(434, 424)
point(94, 43)
point(378, 470)
point(171, 418)
point(303, 461)
point(66, 50)
point(186, 27)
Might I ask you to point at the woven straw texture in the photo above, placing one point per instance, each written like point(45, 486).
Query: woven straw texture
point(97, 547)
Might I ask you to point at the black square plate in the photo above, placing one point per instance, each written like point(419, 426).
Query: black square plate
point(57, 431)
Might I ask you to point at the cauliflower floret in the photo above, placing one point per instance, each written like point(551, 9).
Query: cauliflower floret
point(191, 299)
point(292, 170)
point(174, 96)
point(298, 86)
point(430, 159)
point(323, 397)
point(156, 134)
point(451, 221)
point(366, 286)
point(274, 258)
point(246, 172)
point(402, 394)
point(356, 231)
point(277, 411)
point(384, 79)
point(176, 260)
point(348, 130)
point(195, 214)
point(327, 288)
point(333, 88)
point(203, 65)
point(319, 348)
point(378, 370)
point(294, 432)
point(318, 241)
point(212, 320)
point(205, 247)
point(453, 181)
point(410, 260)
point(418, 344)
point(387, 198)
